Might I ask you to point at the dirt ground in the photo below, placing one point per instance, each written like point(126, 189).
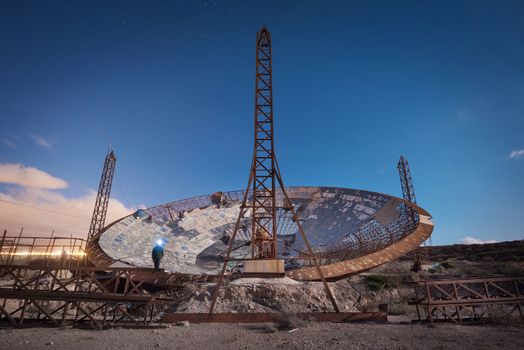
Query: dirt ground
point(262, 336)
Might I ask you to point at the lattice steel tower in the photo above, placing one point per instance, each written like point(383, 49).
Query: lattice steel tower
point(102, 198)
point(264, 235)
point(408, 193)
point(264, 177)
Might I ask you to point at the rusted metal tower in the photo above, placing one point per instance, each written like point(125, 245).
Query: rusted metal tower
point(264, 177)
point(102, 198)
point(408, 193)
point(264, 227)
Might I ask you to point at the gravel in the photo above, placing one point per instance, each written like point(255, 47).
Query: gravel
point(265, 336)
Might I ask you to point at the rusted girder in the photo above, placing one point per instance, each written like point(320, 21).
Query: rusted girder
point(468, 299)
point(263, 317)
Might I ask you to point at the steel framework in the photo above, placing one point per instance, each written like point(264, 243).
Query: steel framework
point(408, 193)
point(48, 280)
point(102, 198)
point(264, 224)
point(469, 299)
point(60, 294)
point(264, 177)
point(28, 249)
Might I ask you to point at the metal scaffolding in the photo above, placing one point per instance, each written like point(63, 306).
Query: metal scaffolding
point(25, 250)
point(65, 292)
point(48, 280)
point(102, 199)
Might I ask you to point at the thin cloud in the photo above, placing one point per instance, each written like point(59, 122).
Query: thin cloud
point(9, 143)
point(42, 142)
point(473, 240)
point(517, 154)
point(43, 211)
point(29, 177)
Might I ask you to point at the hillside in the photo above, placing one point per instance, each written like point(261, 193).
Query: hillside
point(511, 251)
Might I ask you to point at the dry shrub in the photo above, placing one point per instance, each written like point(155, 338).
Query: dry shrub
point(379, 282)
point(449, 264)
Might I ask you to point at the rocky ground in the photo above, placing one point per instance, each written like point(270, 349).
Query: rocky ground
point(387, 284)
point(288, 296)
point(262, 336)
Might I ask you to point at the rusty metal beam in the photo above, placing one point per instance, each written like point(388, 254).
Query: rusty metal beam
point(73, 296)
point(261, 317)
point(57, 266)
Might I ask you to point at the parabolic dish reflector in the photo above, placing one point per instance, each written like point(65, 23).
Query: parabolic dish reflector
point(350, 231)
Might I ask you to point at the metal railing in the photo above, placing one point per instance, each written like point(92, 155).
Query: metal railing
point(22, 249)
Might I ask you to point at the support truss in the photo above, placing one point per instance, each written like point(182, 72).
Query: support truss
point(460, 300)
point(264, 227)
point(408, 191)
point(264, 178)
point(409, 214)
point(58, 295)
point(102, 199)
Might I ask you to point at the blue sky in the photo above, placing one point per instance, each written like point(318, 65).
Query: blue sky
point(356, 84)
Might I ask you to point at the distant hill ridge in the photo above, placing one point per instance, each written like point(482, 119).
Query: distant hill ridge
point(501, 251)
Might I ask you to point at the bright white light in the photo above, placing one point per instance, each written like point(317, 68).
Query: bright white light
point(159, 242)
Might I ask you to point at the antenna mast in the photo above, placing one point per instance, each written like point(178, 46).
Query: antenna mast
point(410, 214)
point(264, 227)
point(102, 198)
point(264, 177)
point(408, 191)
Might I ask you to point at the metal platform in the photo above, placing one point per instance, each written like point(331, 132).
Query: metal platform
point(263, 317)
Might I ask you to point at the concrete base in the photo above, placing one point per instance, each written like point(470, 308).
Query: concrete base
point(264, 266)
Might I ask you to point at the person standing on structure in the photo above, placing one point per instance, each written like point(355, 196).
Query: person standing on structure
point(158, 253)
